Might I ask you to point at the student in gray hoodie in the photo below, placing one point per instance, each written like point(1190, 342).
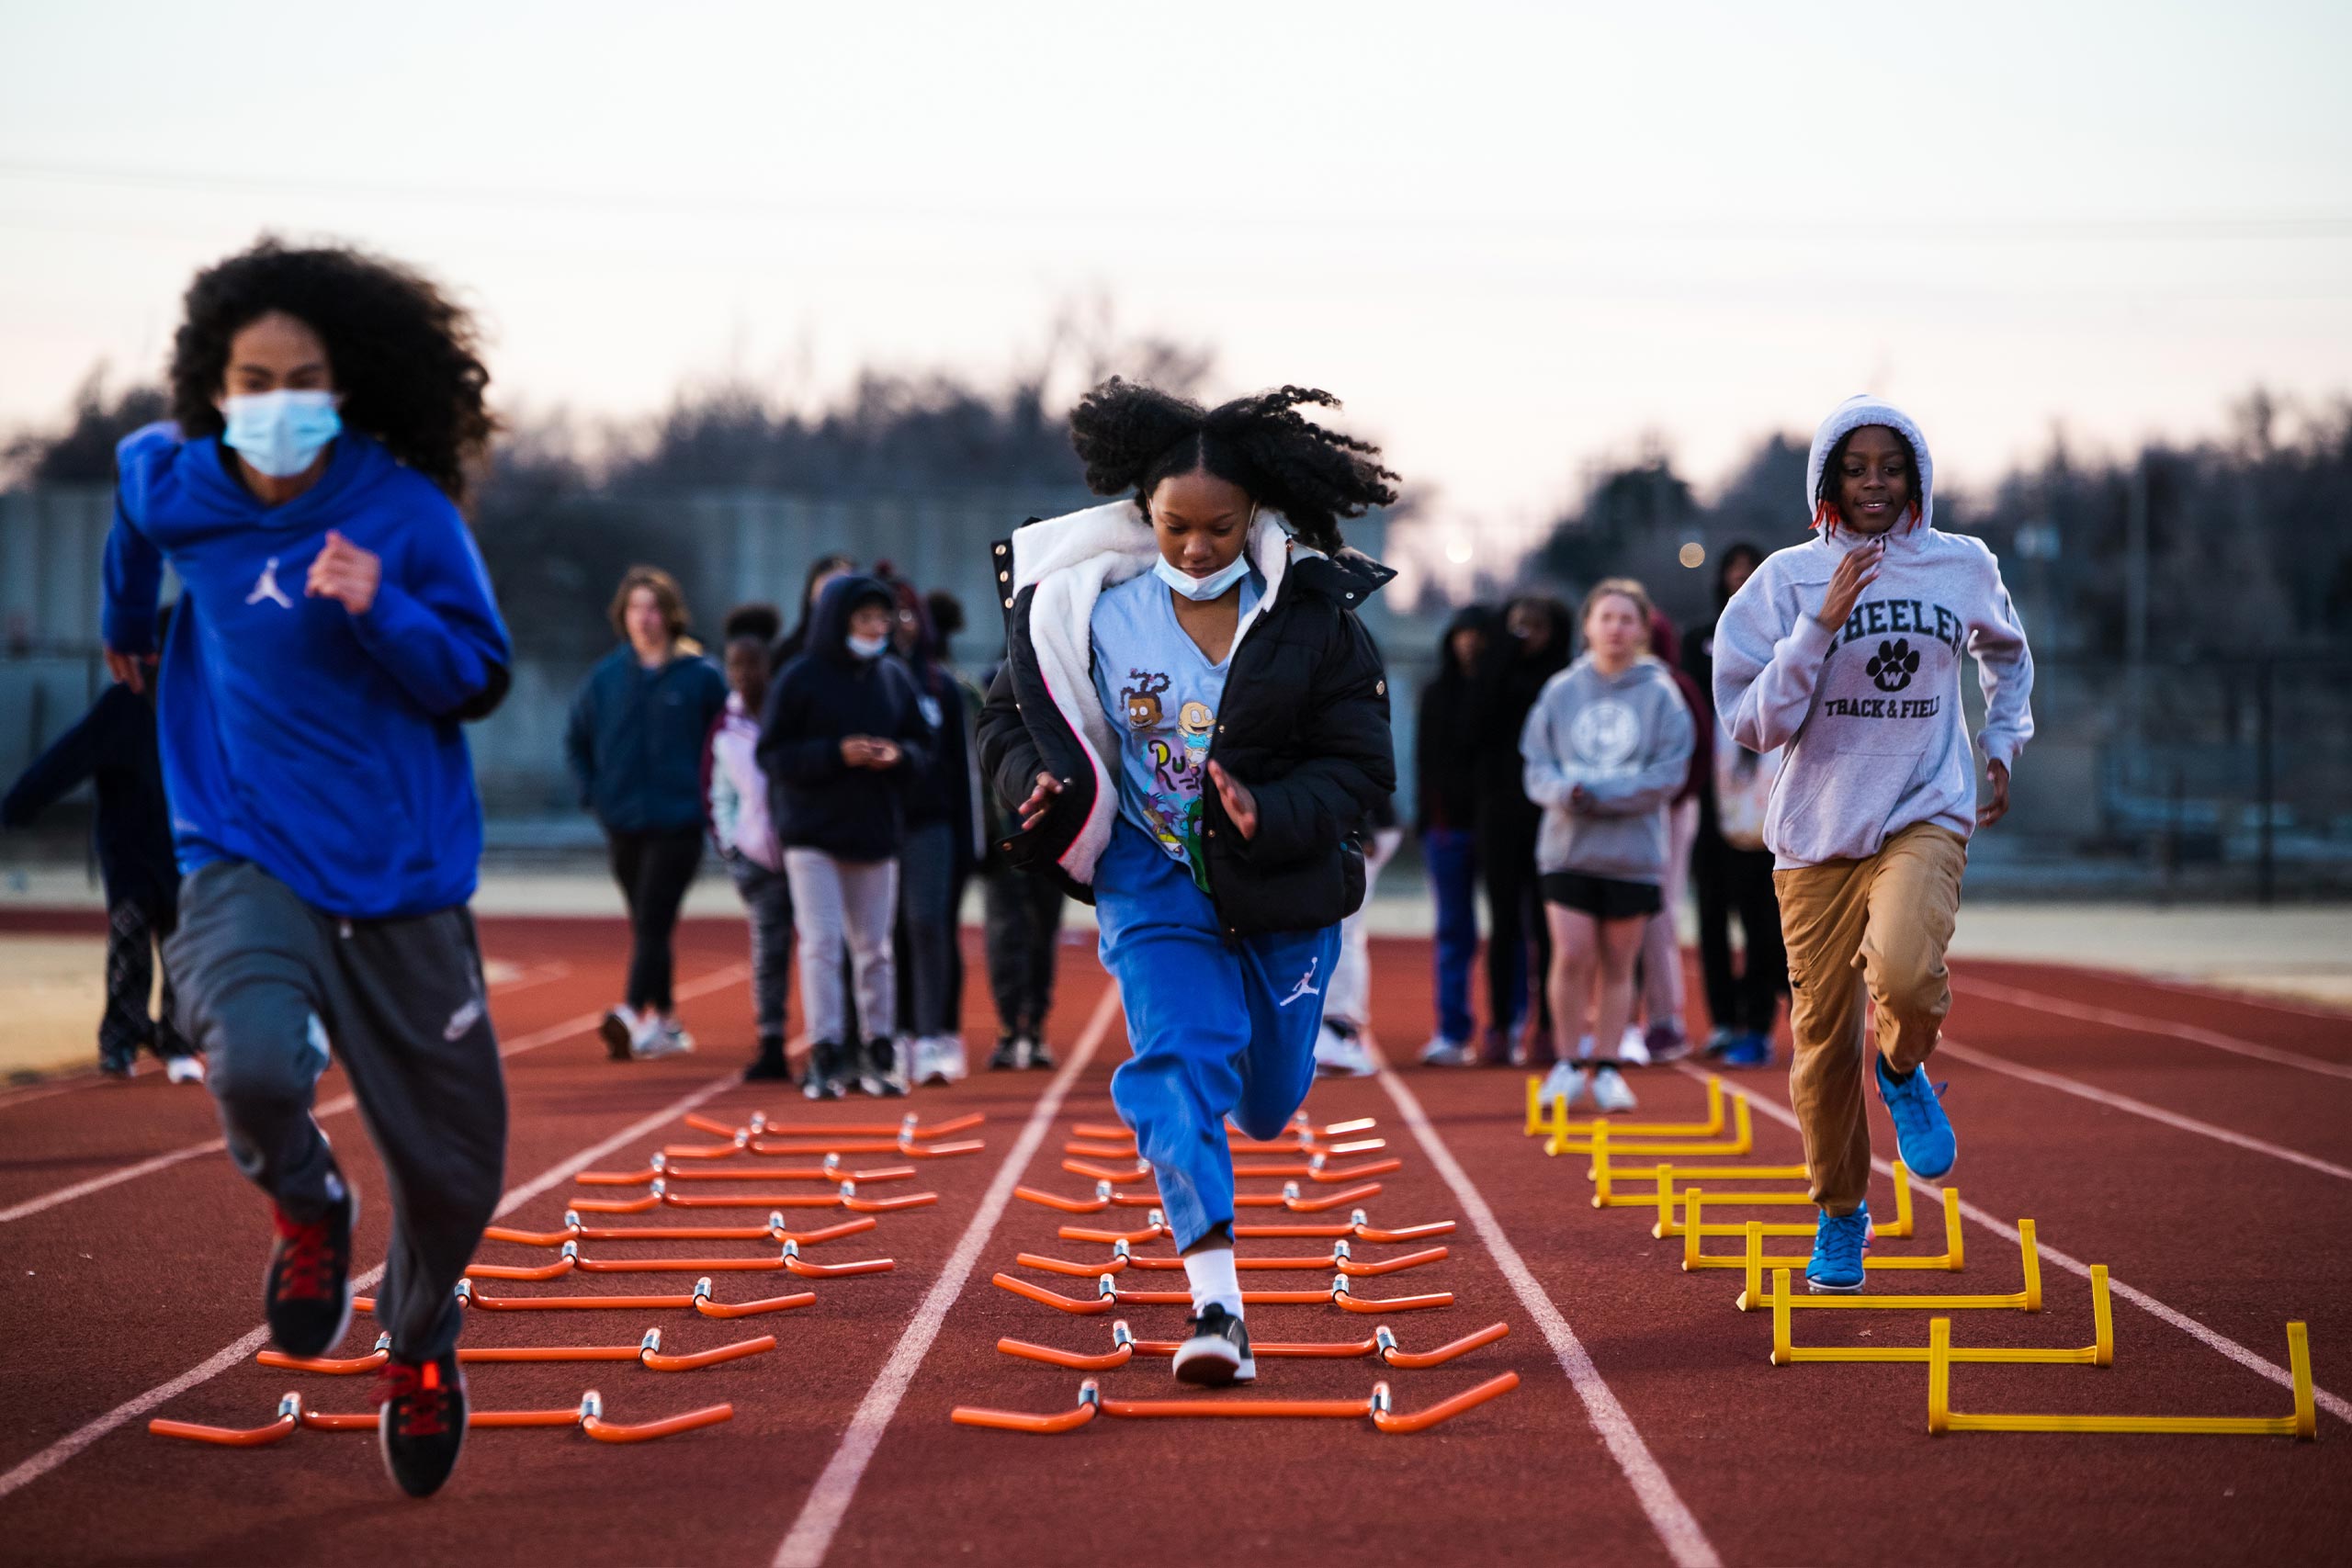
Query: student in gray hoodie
point(1606, 747)
point(1847, 651)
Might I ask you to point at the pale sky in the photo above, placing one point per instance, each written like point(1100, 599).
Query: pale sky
point(1516, 239)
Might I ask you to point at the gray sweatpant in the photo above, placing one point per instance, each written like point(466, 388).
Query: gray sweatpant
point(836, 902)
point(268, 984)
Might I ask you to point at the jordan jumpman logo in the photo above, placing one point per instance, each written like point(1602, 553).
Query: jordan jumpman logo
point(266, 587)
point(1305, 987)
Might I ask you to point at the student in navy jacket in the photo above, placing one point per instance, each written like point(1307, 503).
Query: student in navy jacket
point(634, 743)
point(113, 746)
point(334, 630)
point(841, 736)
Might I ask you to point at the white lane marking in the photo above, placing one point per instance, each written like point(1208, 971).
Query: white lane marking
point(716, 980)
point(1975, 1057)
point(2213, 1339)
point(1671, 1518)
point(2140, 1023)
point(811, 1536)
point(82, 1437)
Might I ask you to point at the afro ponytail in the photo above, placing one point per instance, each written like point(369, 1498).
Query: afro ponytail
point(1131, 438)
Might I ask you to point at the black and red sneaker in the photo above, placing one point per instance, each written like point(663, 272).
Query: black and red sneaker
point(422, 1424)
point(306, 1294)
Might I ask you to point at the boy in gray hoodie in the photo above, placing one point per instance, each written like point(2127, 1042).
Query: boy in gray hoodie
point(1605, 748)
point(1847, 651)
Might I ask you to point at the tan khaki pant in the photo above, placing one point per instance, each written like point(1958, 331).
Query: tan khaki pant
point(1883, 921)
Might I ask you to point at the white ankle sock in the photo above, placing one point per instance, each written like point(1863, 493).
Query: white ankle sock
point(1211, 1274)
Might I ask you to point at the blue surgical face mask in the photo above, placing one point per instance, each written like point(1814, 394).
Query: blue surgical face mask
point(280, 434)
point(1202, 589)
point(869, 647)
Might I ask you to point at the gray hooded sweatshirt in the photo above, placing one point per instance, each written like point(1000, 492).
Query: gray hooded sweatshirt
point(1626, 739)
point(1869, 711)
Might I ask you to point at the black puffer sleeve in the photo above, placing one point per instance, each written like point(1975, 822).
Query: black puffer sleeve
point(1349, 755)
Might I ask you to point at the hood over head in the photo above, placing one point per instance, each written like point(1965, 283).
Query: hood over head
point(1853, 415)
point(1469, 618)
point(829, 624)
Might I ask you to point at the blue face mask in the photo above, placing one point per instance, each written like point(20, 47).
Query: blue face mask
point(869, 647)
point(280, 434)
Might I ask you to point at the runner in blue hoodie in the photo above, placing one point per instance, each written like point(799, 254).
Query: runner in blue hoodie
point(335, 629)
point(1847, 649)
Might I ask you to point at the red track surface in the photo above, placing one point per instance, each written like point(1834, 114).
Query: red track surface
point(118, 1293)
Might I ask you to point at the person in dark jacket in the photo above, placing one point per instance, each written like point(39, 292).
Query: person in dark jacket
point(1021, 906)
point(1666, 1037)
point(113, 746)
point(822, 573)
point(635, 744)
point(1445, 746)
point(1190, 725)
point(1730, 865)
point(841, 736)
point(937, 856)
point(1518, 946)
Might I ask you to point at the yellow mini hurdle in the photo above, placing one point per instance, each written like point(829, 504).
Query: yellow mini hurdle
point(1669, 1226)
point(2303, 1424)
point(2100, 1352)
point(1604, 1172)
point(1693, 1228)
point(2026, 1300)
point(1551, 1116)
point(1628, 1141)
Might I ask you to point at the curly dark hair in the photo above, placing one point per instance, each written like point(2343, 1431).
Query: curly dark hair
point(1131, 438)
point(406, 359)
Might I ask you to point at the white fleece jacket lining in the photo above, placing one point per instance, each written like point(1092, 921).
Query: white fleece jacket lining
point(1071, 559)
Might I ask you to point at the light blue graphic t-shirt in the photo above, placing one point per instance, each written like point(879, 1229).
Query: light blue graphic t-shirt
point(1161, 695)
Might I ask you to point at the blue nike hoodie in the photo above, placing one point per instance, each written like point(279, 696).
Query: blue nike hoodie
point(322, 745)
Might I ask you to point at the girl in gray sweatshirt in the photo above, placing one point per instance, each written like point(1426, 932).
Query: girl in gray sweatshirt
point(1605, 748)
point(1847, 651)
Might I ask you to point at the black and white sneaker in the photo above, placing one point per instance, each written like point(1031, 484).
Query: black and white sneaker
point(1007, 1056)
point(306, 1293)
point(1216, 1353)
point(1041, 1055)
point(617, 1030)
point(824, 1079)
point(422, 1424)
point(880, 1072)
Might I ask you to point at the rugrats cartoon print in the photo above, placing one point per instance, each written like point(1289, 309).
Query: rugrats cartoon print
point(1143, 698)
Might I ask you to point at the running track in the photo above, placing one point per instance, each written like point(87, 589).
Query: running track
point(2199, 1144)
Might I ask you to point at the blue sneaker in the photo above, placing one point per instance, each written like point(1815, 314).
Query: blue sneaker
point(1923, 1134)
point(1837, 1243)
point(1746, 1051)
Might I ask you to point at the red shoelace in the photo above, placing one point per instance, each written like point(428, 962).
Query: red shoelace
point(424, 1407)
point(307, 1270)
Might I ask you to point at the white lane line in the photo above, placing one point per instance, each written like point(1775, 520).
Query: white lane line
point(81, 1437)
point(1970, 1054)
point(1676, 1526)
point(2140, 1023)
point(716, 980)
point(2211, 1338)
point(812, 1535)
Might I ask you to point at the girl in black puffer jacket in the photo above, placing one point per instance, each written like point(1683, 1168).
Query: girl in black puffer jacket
point(1189, 729)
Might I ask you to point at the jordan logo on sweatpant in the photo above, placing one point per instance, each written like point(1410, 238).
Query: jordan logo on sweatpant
point(1305, 987)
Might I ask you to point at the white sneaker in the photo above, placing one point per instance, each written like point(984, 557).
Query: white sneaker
point(1564, 1083)
point(1342, 1056)
point(1444, 1052)
point(1610, 1091)
point(952, 1059)
point(184, 1069)
point(1634, 1050)
point(656, 1039)
point(619, 1030)
point(936, 1059)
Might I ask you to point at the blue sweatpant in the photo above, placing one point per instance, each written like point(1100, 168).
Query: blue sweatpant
point(1217, 1029)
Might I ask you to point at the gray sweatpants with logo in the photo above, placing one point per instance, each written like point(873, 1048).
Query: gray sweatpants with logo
point(268, 985)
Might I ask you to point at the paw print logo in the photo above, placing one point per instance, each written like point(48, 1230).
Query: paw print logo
point(1894, 665)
